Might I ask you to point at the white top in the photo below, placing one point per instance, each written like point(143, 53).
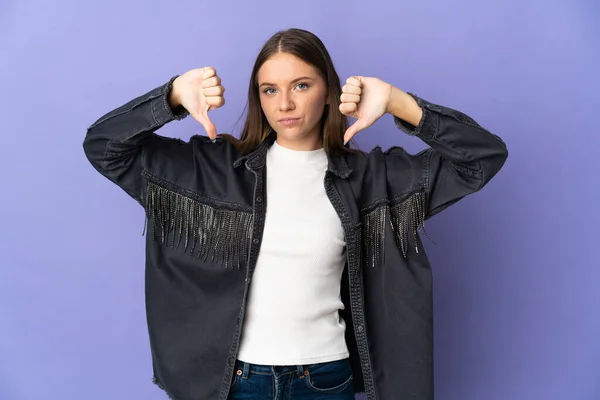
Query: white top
point(292, 312)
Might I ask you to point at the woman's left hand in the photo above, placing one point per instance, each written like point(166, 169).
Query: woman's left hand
point(366, 99)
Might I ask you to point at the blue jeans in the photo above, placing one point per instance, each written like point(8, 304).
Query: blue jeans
point(324, 381)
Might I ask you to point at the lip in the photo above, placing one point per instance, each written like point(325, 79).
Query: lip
point(288, 121)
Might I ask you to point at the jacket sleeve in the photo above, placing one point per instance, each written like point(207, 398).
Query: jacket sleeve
point(116, 143)
point(461, 159)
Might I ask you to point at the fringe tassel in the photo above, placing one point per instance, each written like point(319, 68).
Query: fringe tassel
point(223, 236)
point(373, 234)
point(407, 217)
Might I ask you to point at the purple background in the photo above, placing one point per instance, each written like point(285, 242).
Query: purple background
point(516, 275)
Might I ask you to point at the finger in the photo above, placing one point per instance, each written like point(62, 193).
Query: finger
point(201, 115)
point(208, 72)
point(350, 98)
point(215, 102)
point(355, 81)
point(213, 91)
point(214, 81)
point(351, 89)
point(209, 127)
point(204, 121)
point(348, 109)
point(358, 126)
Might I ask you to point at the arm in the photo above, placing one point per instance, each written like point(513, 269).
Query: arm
point(119, 143)
point(462, 158)
point(115, 143)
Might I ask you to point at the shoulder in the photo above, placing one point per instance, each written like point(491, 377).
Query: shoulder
point(173, 158)
point(394, 171)
point(378, 158)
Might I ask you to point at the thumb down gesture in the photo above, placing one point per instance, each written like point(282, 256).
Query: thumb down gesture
point(199, 91)
point(365, 99)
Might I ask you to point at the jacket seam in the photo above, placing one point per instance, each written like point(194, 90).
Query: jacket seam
point(195, 195)
point(382, 201)
point(126, 110)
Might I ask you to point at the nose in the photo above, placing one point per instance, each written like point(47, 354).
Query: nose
point(286, 102)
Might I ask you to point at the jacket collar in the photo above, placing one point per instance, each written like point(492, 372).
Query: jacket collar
point(336, 164)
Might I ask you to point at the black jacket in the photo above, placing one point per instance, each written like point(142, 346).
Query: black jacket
point(205, 206)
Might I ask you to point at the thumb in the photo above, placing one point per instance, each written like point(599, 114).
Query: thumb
point(356, 127)
point(205, 121)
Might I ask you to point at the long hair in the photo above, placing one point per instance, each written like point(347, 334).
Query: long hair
point(309, 48)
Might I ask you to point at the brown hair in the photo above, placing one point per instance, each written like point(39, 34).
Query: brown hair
point(309, 48)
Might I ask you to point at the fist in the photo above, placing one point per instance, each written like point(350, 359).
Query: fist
point(199, 91)
point(365, 99)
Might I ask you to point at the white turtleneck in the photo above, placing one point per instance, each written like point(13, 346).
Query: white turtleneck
point(292, 312)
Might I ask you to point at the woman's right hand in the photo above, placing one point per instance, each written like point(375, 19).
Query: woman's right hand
point(199, 91)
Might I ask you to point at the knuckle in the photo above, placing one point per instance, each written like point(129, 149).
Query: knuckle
point(209, 82)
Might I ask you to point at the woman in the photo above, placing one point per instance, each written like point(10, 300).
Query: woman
point(284, 264)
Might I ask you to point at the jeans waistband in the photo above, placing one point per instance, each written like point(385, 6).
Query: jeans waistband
point(247, 369)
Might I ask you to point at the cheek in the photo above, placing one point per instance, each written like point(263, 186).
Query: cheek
point(317, 105)
point(264, 104)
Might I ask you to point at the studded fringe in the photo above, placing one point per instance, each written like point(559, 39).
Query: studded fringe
point(407, 218)
point(373, 236)
point(221, 236)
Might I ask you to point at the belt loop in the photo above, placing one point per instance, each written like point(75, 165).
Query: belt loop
point(246, 370)
point(300, 369)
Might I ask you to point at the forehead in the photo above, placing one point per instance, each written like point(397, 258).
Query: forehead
point(285, 67)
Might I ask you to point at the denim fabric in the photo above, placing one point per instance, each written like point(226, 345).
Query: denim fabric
point(206, 206)
point(323, 381)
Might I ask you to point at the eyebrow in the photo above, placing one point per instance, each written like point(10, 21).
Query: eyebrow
point(294, 81)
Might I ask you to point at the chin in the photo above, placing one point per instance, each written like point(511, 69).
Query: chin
point(291, 134)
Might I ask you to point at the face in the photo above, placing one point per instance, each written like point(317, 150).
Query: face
point(293, 97)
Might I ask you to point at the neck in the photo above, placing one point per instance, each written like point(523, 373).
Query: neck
point(304, 144)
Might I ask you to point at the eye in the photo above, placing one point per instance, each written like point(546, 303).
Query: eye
point(302, 86)
point(267, 91)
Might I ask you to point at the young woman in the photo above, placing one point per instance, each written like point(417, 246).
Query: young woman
point(284, 264)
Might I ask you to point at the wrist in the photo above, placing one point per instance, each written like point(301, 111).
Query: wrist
point(396, 102)
point(174, 100)
point(404, 106)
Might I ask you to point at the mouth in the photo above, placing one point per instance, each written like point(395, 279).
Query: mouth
point(288, 121)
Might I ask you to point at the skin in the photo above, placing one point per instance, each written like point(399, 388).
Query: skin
point(291, 88)
point(284, 96)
